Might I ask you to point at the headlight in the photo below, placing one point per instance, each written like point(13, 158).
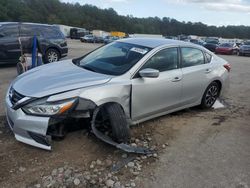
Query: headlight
point(44, 108)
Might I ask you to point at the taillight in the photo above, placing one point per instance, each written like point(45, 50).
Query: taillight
point(227, 66)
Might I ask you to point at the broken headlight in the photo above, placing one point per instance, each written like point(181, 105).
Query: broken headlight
point(43, 108)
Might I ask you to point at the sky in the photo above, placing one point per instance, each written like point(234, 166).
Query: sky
point(210, 12)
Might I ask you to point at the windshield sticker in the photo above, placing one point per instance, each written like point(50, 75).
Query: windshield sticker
point(139, 50)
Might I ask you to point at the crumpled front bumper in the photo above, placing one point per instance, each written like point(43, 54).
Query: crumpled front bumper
point(28, 129)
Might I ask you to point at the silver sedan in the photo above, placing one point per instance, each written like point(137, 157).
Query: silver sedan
point(120, 84)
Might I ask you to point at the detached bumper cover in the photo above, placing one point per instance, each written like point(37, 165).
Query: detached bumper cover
point(28, 129)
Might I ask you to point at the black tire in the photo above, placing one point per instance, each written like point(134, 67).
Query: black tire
point(52, 55)
point(118, 122)
point(210, 95)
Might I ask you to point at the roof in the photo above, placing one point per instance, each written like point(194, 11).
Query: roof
point(152, 42)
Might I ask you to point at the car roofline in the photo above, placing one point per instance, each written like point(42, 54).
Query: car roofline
point(153, 42)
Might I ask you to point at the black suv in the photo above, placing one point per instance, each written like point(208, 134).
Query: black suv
point(52, 42)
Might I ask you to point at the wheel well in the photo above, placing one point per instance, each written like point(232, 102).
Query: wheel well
point(104, 104)
point(219, 83)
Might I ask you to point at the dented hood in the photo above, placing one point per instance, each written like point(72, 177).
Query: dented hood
point(56, 78)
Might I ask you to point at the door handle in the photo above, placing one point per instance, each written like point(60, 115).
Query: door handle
point(208, 71)
point(176, 79)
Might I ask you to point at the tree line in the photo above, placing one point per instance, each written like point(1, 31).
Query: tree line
point(92, 17)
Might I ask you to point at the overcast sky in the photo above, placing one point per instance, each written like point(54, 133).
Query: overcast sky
point(211, 12)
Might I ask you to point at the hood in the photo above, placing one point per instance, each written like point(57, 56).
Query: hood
point(56, 78)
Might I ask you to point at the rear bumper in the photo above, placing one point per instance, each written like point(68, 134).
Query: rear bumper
point(28, 129)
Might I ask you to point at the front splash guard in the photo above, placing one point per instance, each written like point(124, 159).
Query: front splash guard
point(108, 140)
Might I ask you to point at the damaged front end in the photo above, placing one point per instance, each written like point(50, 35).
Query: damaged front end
point(35, 121)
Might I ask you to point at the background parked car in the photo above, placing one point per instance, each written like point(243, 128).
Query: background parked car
point(227, 48)
point(244, 48)
point(196, 41)
point(51, 41)
point(92, 39)
point(110, 39)
point(99, 39)
point(213, 40)
point(211, 46)
point(77, 33)
point(87, 38)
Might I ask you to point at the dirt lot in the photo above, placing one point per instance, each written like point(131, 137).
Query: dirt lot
point(194, 148)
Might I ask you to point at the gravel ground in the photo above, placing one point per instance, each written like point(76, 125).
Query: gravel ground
point(194, 148)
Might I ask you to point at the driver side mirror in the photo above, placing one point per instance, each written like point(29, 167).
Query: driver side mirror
point(149, 73)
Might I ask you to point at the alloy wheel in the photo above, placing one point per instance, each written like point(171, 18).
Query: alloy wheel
point(211, 95)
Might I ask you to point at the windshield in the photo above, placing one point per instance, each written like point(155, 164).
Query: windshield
point(115, 58)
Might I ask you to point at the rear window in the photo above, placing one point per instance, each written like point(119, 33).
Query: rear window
point(191, 57)
point(52, 32)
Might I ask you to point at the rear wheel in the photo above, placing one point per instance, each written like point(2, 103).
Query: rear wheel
point(210, 96)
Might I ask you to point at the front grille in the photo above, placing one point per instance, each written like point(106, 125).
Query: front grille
point(15, 96)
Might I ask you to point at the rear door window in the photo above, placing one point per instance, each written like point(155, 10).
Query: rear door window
point(51, 32)
point(191, 57)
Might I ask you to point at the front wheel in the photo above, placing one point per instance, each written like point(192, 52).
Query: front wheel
point(118, 122)
point(210, 95)
point(52, 55)
point(111, 118)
